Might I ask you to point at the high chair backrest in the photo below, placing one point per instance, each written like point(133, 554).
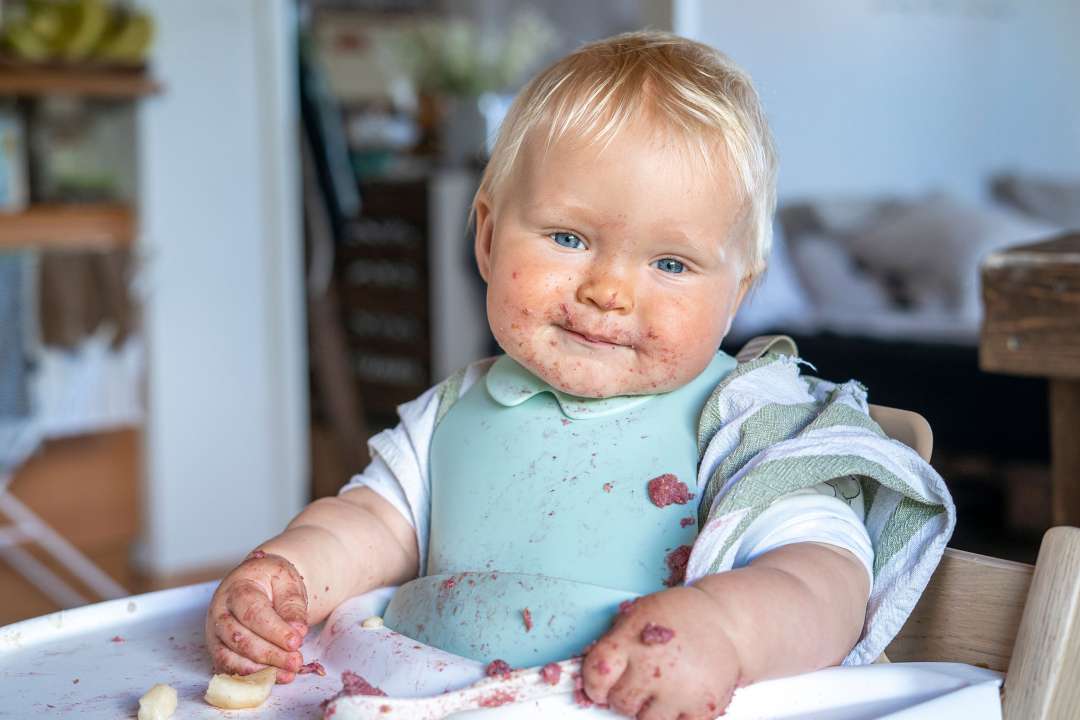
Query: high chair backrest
point(908, 427)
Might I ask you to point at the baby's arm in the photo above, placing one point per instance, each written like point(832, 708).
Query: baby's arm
point(794, 609)
point(336, 548)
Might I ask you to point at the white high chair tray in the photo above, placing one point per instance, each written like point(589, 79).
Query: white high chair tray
point(96, 661)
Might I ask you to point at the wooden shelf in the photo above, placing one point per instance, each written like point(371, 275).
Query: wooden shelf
point(69, 227)
point(29, 80)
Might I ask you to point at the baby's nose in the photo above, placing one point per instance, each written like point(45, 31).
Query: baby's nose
point(609, 293)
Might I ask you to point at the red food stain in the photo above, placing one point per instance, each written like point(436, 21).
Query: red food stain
point(565, 421)
point(449, 583)
point(498, 668)
point(676, 562)
point(656, 634)
point(312, 667)
point(551, 673)
point(497, 698)
point(353, 684)
point(686, 522)
point(608, 486)
point(117, 639)
point(526, 615)
point(667, 489)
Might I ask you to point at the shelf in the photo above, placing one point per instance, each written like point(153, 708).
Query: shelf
point(69, 227)
point(28, 80)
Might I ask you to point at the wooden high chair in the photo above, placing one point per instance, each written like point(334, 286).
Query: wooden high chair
point(1012, 617)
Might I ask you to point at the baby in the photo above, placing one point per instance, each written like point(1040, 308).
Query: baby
point(544, 504)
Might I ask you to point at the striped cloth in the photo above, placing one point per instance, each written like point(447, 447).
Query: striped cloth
point(768, 431)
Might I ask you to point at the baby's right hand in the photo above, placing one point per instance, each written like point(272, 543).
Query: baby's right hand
point(258, 617)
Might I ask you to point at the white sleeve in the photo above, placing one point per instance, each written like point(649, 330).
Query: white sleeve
point(399, 466)
point(807, 516)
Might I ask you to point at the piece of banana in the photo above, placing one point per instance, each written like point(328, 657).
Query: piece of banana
point(159, 703)
point(234, 692)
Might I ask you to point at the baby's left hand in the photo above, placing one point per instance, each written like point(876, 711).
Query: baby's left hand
point(666, 657)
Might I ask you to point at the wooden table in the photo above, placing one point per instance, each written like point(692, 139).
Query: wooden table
point(1031, 326)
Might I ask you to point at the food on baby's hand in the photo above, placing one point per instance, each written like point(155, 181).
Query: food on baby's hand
point(372, 623)
point(656, 634)
point(159, 703)
point(234, 692)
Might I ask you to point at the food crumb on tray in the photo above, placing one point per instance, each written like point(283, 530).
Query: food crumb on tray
point(667, 489)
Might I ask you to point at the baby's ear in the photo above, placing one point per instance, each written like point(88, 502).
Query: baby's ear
point(485, 230)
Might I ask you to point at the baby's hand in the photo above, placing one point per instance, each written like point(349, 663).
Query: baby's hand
point(667, 656)
point(258, 617)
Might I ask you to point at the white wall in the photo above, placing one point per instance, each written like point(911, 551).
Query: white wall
point(226, 462)
point(908, 96)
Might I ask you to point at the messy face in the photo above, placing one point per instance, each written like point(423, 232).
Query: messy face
point(611, 270)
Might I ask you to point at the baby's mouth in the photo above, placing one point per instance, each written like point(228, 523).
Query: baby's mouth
point(590, 339)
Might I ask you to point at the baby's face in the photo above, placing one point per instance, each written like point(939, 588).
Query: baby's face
point(614, 271)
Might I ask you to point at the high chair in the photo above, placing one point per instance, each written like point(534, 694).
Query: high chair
point(1012, 617)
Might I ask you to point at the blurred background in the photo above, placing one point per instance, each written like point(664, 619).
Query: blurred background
point(233, 238)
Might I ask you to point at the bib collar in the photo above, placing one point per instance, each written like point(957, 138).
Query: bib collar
point(510, 384)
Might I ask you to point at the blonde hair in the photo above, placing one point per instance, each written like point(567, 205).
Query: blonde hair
point(697, 92)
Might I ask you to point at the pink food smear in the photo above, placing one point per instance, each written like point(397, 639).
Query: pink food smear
point(656, 634)
point(312, 667)
point(353, 684)
point(687, 522)
point(667, 490)
point(551, 673)
point(676, 562)
point(608, 486)
point(497, 698)
point(526, 616)
point(498, 668)
point(116, 639)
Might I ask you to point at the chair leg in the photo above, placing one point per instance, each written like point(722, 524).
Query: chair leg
point(51, 541)
point(42, 577)
point(1043, 681)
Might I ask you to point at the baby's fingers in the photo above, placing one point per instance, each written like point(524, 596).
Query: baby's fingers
point(250, 605)
point(227, 661)
point(633, 692)
point(247, 644)
point(290, 601)
point(601, 669)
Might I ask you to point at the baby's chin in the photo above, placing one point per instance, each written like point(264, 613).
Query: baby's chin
point(595, 379)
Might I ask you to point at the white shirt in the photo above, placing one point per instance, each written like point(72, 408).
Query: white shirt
point(399, 473)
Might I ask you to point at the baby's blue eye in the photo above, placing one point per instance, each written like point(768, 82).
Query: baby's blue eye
point(670, 265)
point(568, 240)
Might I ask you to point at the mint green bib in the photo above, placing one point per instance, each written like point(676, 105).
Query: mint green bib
point(541, 523)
